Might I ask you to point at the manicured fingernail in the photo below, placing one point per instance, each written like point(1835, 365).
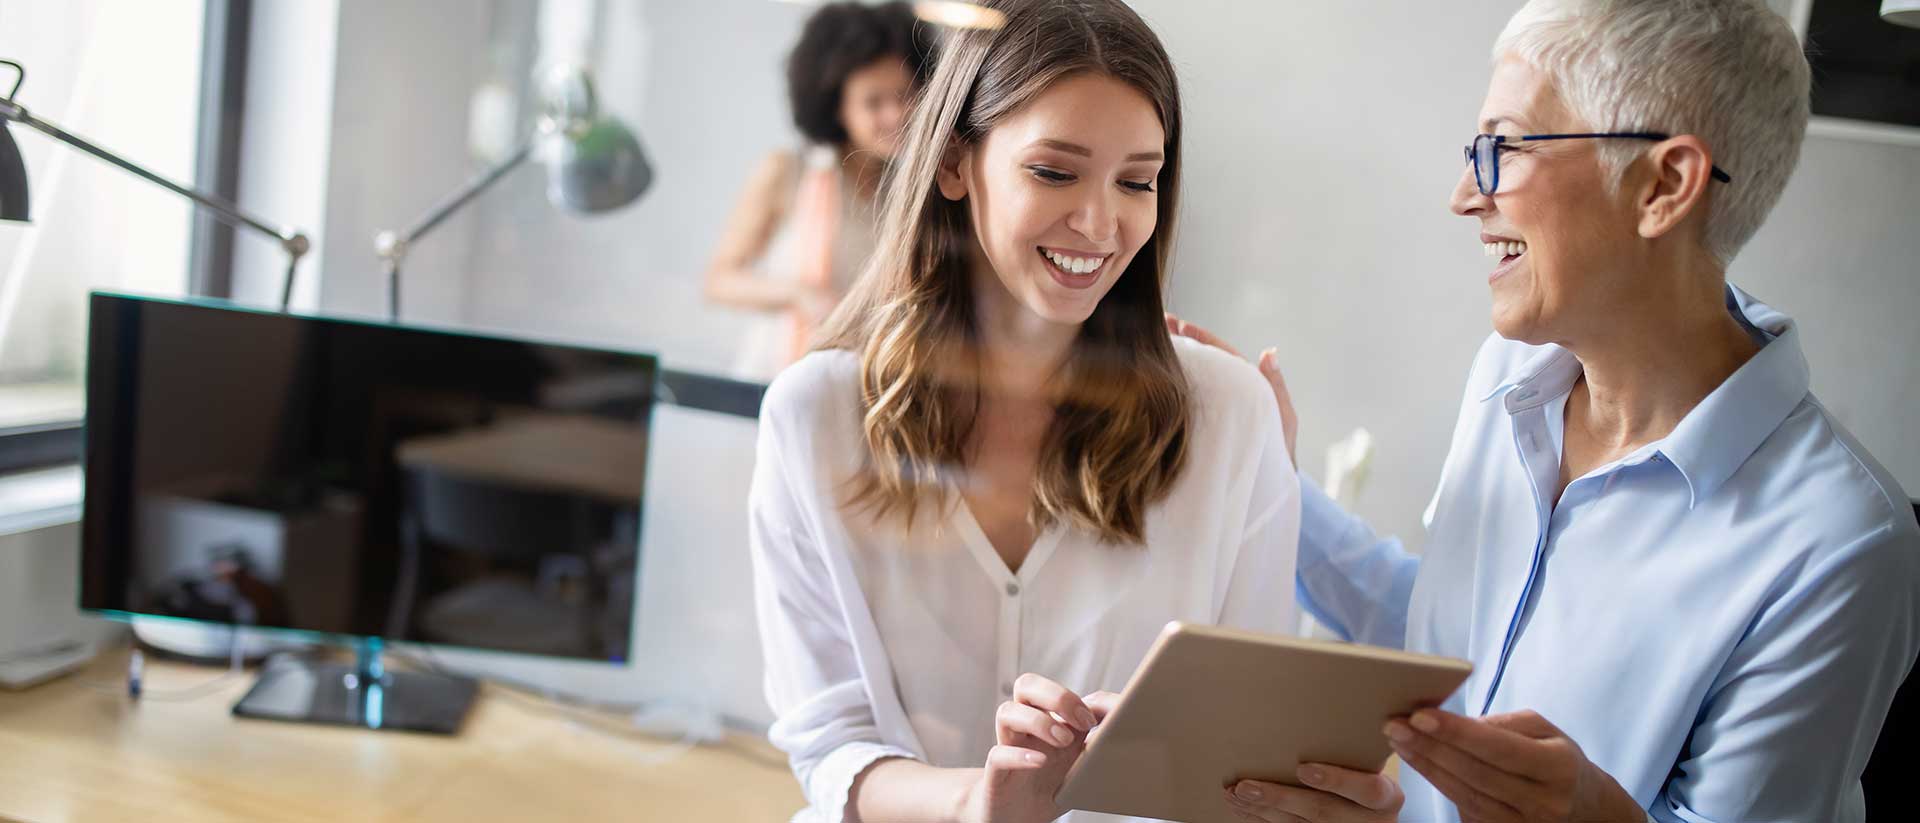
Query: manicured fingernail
point(1086, 719)
point(1247, 791)
point(1398, 731)
point(1035, 758)
point(1425, 721)
point(1313, 775)
point(1061, 735)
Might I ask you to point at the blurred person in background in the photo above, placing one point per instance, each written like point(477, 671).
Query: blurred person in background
point(804, 227)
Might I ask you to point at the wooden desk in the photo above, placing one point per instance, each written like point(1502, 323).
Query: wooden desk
point(71, 753)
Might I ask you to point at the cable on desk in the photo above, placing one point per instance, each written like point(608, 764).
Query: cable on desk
point(134, 686)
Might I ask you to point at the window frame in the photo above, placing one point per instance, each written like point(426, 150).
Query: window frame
point(226, 41)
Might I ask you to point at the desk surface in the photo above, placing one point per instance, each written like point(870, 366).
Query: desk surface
point(73, 753)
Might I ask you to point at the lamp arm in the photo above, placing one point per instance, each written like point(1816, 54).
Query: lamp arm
point(292, 241)
point(393, 246)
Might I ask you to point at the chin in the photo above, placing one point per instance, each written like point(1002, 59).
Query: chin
point(1515, 310)
point(1065, 313)
point(1519, 322)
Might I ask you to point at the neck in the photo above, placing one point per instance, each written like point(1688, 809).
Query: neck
point(864, 168)
point(1658, 359)
point(1020, 352)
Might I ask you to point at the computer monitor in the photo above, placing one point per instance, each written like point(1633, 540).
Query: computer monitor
point(362, 482)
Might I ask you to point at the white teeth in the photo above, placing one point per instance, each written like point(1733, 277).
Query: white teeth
point(1074, 265)
point(1505, 248)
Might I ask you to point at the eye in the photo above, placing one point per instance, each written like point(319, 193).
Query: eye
point(1051, 175)
point(1142, 186)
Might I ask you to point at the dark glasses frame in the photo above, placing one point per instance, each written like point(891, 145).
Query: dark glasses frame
point(1484, 152)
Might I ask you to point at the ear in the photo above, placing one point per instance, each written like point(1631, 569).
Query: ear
point(1680, 171)
point(952, 175)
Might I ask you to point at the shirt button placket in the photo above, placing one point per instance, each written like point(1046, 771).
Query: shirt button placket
point(1009, 638)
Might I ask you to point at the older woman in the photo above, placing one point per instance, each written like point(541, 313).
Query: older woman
point(1687, 592)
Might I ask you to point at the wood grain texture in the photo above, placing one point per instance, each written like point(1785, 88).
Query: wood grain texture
point(74, 753)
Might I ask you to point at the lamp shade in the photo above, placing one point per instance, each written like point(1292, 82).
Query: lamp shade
point(599, 169)
point(597, 164)
point(1902, 12)
point(13, 178)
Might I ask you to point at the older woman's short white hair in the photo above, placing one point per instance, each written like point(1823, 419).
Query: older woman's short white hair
point(1730, 72)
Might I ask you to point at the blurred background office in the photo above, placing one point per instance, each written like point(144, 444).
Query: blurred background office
point(1322, 140)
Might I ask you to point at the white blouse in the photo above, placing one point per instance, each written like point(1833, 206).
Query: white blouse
point(882, 644)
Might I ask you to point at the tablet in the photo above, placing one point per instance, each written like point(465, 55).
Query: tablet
point(1211, 706)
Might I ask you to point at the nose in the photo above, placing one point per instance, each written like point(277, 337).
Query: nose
point(1097, 218)
point(1467, 201)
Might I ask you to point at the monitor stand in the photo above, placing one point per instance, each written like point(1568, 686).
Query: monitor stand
point(364, 694)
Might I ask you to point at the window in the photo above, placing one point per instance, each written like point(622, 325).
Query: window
point(125, 75)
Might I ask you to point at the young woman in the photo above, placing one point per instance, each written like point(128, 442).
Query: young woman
point(805, 224)
point(996, 463)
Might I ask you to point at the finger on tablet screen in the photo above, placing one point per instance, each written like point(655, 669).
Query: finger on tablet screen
point(1046, 695)
point(1015, 719)
point(1102, 703)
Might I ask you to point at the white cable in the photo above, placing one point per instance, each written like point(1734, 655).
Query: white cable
point(134, 686)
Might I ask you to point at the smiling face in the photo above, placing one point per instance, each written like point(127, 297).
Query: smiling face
point(1564, 244)
point(873, 105)
point(1061, 195)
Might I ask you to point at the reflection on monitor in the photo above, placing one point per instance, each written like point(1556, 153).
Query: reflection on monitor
point(366, 480)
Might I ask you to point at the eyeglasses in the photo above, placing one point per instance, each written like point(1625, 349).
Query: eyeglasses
point(1484, 153)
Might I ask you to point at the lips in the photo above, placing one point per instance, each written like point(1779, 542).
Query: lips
point(1508, 250)
point(1074, 270)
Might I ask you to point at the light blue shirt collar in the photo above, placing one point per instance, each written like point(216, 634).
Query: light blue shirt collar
point(1719, 434)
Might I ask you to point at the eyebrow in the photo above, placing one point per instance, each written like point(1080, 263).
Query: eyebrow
point(1083, 151)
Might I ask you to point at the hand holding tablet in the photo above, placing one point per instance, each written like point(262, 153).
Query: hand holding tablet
point(1210, 707)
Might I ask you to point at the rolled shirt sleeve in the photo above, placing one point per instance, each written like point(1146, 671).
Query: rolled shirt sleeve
point(1353, 581)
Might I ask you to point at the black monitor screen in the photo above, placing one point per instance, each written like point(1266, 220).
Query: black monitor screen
point(274, 470)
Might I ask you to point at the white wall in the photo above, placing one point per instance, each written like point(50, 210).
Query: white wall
point(702, 84)
point(404, 73)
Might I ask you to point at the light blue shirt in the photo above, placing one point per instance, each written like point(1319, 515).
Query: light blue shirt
point(1719, 620)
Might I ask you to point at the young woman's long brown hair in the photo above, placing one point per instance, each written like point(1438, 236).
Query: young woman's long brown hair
point(1118, 436)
